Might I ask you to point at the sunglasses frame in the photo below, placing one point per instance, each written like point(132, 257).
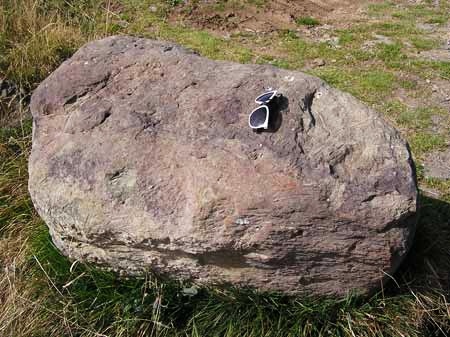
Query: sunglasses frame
point(273, 92)
point(265, 125)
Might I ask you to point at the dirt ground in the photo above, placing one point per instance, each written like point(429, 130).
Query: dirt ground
point(267, 16)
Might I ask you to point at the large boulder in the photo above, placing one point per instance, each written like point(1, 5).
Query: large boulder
point(143, 159)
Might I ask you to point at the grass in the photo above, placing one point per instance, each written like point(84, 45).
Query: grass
point(37, 37)
point(419, 118)
point(443, 68)
point(423, 142)
point(418, 124)
point(307, 21)
point(257, 3)
point(174, 2)
point(421, 43)
point(44, 294)
point(368, 84)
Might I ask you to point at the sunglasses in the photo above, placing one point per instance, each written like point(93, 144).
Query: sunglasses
point(259, 117)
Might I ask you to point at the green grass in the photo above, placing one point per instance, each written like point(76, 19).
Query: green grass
point(206, 44)
point(307, 21)
point(424, 43)
point(346, 37)
point(174, 2)
point(44, 294)
point(390, 54)
point(369, 85)
point(380, 9)
point(394, 29)
point(38, 37)
point(439, 19)
point(441, 185)
point(424, 13)
point(420, 118)
point(257, 3)
point(443, 68)
point(418, 123)
point(423, 142)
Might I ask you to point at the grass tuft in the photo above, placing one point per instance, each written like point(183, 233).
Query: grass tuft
point(38, 35)
point(307, 21)
point(421, 43)
point(423, 142)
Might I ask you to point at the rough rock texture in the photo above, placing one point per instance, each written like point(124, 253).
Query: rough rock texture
point(143, 159)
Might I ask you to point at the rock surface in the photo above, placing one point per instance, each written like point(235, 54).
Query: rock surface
point(442, 55)
point(143, 159)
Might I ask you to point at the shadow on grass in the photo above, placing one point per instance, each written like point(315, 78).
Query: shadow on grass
point(428, 263)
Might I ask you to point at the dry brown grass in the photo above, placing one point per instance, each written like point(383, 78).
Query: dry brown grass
point(35, 37)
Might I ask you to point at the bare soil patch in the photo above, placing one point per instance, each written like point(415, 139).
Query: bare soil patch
point(232, 17)
point(437, 165)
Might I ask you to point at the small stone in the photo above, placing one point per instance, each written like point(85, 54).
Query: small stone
point(334, 41)
point(428, 27)
point(318, 62)
point(242, 221)
point(383, 39)
point(441, 55)
point(123, 23)
point(430, 192)
point(191, 291)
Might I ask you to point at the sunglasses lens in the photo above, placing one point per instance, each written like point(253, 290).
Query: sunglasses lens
point(266, 97)
point(258, 117)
